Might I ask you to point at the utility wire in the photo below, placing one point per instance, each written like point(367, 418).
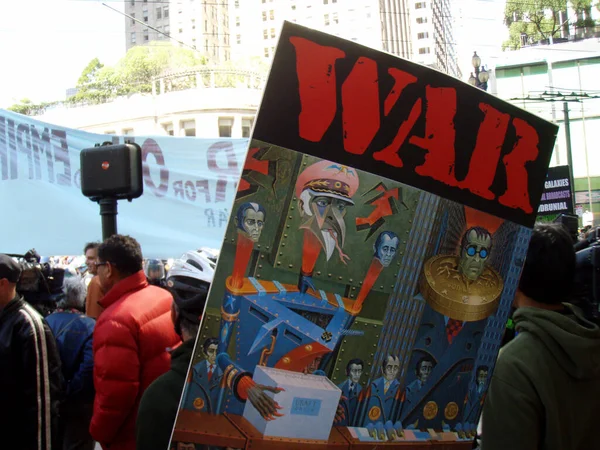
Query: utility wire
point(151, 27)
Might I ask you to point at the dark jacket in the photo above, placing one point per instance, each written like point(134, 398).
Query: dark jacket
point(30, 379)
point(130, 342)
point(545, 388)
point(159, 405)
point(73, 333)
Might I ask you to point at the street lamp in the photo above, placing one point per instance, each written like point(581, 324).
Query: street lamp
point(481, 77)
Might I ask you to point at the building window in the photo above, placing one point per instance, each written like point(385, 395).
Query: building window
point(132, 18)
point(146, 35)
point(238, 38)
point(293, 7)
point(266, 52)
point(265, 34)
point(133, 37)
point(264, 1)
point(247, 127)
point(272, 15)
point(180, 30)
point(326, 19)
point(421, 19)
point(159, 13)
point(132, 3)
point(325, 2)
point(225, 126)
point(166, 12)
point(420, 5)
point(237, 4)
point(189, 128)
point(264, 16)
point(272, 32)
point(335, 17)
point(237, 21)
point(424, 35)
point(145, 16)
point(167, 29)
point(424, 51)
point(168, 127)
point(145, 8)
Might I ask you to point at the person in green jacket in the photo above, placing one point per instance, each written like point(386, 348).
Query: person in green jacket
point(159, 405)
point(545, 389)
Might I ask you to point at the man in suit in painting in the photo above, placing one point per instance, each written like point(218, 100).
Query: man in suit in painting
point(382, 396)
point(351, 389)
point(201, 390)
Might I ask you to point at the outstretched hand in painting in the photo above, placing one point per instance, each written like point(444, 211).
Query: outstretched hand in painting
point(265, 405)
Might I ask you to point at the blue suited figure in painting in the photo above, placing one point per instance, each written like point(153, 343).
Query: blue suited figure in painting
point(383, 395)
point(202, 389)
point(351, 390)
point(423, 369)
point(476, 396)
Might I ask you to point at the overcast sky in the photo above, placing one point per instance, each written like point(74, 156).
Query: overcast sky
point(46, 44)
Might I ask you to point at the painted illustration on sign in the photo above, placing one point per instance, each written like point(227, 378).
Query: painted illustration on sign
point(348, 304)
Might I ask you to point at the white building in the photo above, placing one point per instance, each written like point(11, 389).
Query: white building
point(420, 31)
point(567, 71)
point(222, 103)
point(203, 24)
point(255, 24)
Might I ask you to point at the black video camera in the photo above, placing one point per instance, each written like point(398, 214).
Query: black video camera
point(41, 285)
point(587, 274)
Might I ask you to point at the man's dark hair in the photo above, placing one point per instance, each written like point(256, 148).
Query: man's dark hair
point(123, 252)
point(549, 268)
point(207, 343)
point(356, 361)
point(90, 245)
point(420, 362)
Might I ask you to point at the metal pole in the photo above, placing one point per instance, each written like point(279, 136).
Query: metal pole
point(587, 165)
point(569, 155)
point(552, 105)
point(108, 213)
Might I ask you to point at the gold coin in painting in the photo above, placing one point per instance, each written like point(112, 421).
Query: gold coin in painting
point(430, 410)
point(198, 403)
point(450, 293)
point(374, 413)
point(451, 411)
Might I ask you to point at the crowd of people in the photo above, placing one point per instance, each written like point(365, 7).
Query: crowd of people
point(75, 373)
point(108, 363)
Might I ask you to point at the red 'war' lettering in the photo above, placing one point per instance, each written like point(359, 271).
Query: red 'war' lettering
point(150, 147)
point(317, 87)
point(389, 154)
point(517, 179)
point(360, 114)
point(484, 161)
point(439, 136)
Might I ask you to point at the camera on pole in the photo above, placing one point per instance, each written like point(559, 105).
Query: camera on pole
point(110, 173)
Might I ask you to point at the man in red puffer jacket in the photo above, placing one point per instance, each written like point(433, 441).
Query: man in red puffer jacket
point(130, 341)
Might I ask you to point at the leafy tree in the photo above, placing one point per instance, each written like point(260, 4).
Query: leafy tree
point(28, 108)
point(540, 19)
point(133, 73)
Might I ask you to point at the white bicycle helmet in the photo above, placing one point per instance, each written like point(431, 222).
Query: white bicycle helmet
point(189, 280)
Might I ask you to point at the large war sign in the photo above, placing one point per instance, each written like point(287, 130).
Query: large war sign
point(371, 258)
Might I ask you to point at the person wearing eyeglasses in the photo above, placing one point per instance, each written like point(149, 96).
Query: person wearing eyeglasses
point(130, 341)
point(94, 289)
